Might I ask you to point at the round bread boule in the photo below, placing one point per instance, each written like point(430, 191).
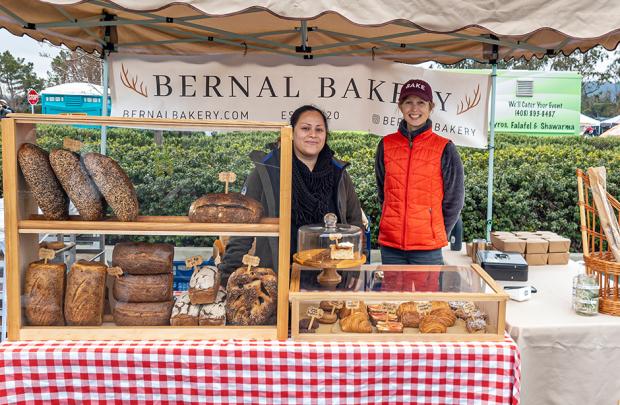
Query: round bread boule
point(226, 208)
point(77, 183)
point(114, 184)
point(40, 177)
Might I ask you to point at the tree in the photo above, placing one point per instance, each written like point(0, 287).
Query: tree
point(16, 77)
point(76, 66)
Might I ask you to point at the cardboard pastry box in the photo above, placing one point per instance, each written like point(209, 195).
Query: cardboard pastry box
point(558, 258)
point(536, 259)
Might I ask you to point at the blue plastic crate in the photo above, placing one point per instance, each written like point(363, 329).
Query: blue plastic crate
point(182, 275)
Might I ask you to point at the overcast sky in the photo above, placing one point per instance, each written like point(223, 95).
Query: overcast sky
point(29, 49)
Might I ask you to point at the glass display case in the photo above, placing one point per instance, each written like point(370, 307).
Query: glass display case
point(398, 302)
point(329, 247)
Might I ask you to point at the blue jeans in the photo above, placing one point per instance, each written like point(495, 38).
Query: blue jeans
point(396, 256)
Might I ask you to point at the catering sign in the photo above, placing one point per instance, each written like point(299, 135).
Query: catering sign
point(356, 93)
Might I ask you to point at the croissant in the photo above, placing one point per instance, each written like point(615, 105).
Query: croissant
point(445, 316)
point(356, 323)
point(344, 312)
point(431, 324)
point(406, 307)
point(439, 305)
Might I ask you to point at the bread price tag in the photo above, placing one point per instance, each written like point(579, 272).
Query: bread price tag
point(390, 308)
point(227, 177)
point(335, 236)
point(46, 254)
point(72, 144)
point(352, 304)
point(469, 307)
point(115, 271)
point(424, 307)
point(250, 261)
point(193, 261)
point(315, 312)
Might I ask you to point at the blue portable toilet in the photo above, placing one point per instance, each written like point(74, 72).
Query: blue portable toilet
point(73, 98)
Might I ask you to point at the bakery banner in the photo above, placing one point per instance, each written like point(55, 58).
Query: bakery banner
point(356, 93)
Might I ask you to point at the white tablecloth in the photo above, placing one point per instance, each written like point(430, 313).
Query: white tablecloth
point(566, 358)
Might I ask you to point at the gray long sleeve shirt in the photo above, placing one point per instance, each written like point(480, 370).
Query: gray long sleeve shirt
point(451, 170)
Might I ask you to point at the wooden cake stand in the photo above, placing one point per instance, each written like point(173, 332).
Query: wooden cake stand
point(319, 259)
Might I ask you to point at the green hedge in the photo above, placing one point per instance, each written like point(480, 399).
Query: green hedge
point(535, 182)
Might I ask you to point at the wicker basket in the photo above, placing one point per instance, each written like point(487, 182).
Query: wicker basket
point(596, 253)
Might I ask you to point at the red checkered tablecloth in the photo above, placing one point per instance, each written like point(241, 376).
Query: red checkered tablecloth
point(259, 372)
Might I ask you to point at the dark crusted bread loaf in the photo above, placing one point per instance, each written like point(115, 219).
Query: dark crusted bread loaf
point(226, 208)
point(44, 290)
point(85, 294)
point(143, 258)
point(143, 288)
point(114, 184)
point(252, 296)
point(143, 313)
point(72, 174)
point(41, 179)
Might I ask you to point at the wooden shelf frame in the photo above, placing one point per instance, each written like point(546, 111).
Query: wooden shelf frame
point(22, 227)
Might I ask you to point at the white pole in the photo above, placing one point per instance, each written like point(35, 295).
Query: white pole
point(491, 148)
point(104, 107)
point(31, 108)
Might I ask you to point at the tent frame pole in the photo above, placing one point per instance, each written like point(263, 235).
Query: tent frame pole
point(491, 148)
point(104, 106)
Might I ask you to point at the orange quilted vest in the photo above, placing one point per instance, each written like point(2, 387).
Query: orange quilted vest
point(412, 217)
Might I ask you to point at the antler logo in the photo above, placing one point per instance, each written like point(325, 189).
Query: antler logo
point(469, 103)
point(133, 83)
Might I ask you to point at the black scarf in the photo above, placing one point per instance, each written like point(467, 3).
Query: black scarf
point(313, 191)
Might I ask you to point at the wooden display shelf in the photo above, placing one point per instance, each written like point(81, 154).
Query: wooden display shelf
point(22, 227)
point(109, 331)
point(148, 225)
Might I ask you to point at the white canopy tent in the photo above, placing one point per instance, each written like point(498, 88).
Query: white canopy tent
point(612, 121)
point(585, 120)
point(614, 131)
point(409, 31)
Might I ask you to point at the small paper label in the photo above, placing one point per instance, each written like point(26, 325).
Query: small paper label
point(72, 144)
point(315, 312)
point(115, 271)
point(338, 304)
point(249, 260)
point(390, 308)
point(193, 261)
point(229, 177)
point(335, 236)
point(352, 304)
point(46, 254)
point(424, 307)
point(469, 307)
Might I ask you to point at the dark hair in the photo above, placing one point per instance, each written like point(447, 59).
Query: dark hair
point(305, 108)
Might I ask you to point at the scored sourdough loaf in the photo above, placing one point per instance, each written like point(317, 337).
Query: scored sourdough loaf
point(41, 179)
point(214, 314)
point(85, 294)
point(143, 313)
point(44, 290)
point(204, 285)
point(114, 184)
point(183, 312)
point(143, 258)
point(143, 288)
point(74, 179)
point(226, 208)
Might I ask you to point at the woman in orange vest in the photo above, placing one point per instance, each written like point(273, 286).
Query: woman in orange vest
point(420, 182)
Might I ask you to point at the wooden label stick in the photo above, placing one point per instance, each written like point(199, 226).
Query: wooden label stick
point(335, 237)
point(72, 144)
point(115, 271)
point(314, 312)
point(250, 261)
point(193, 262)
point(46, 254)
point(227, 177)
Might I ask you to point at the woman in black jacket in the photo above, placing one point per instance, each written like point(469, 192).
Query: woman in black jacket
point(320, 183)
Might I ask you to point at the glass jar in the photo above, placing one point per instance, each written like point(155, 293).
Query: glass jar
point(331, 241)
point(585, 294)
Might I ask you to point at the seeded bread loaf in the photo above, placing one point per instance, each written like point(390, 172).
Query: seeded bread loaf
point(74, 179)
point(44, 290)
point(252, 296)
point(143, 288)
point(85, 294)
point(226, 208)
point(114, 184)
point(143, 313)
point(143, 258)
point(41, 179)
